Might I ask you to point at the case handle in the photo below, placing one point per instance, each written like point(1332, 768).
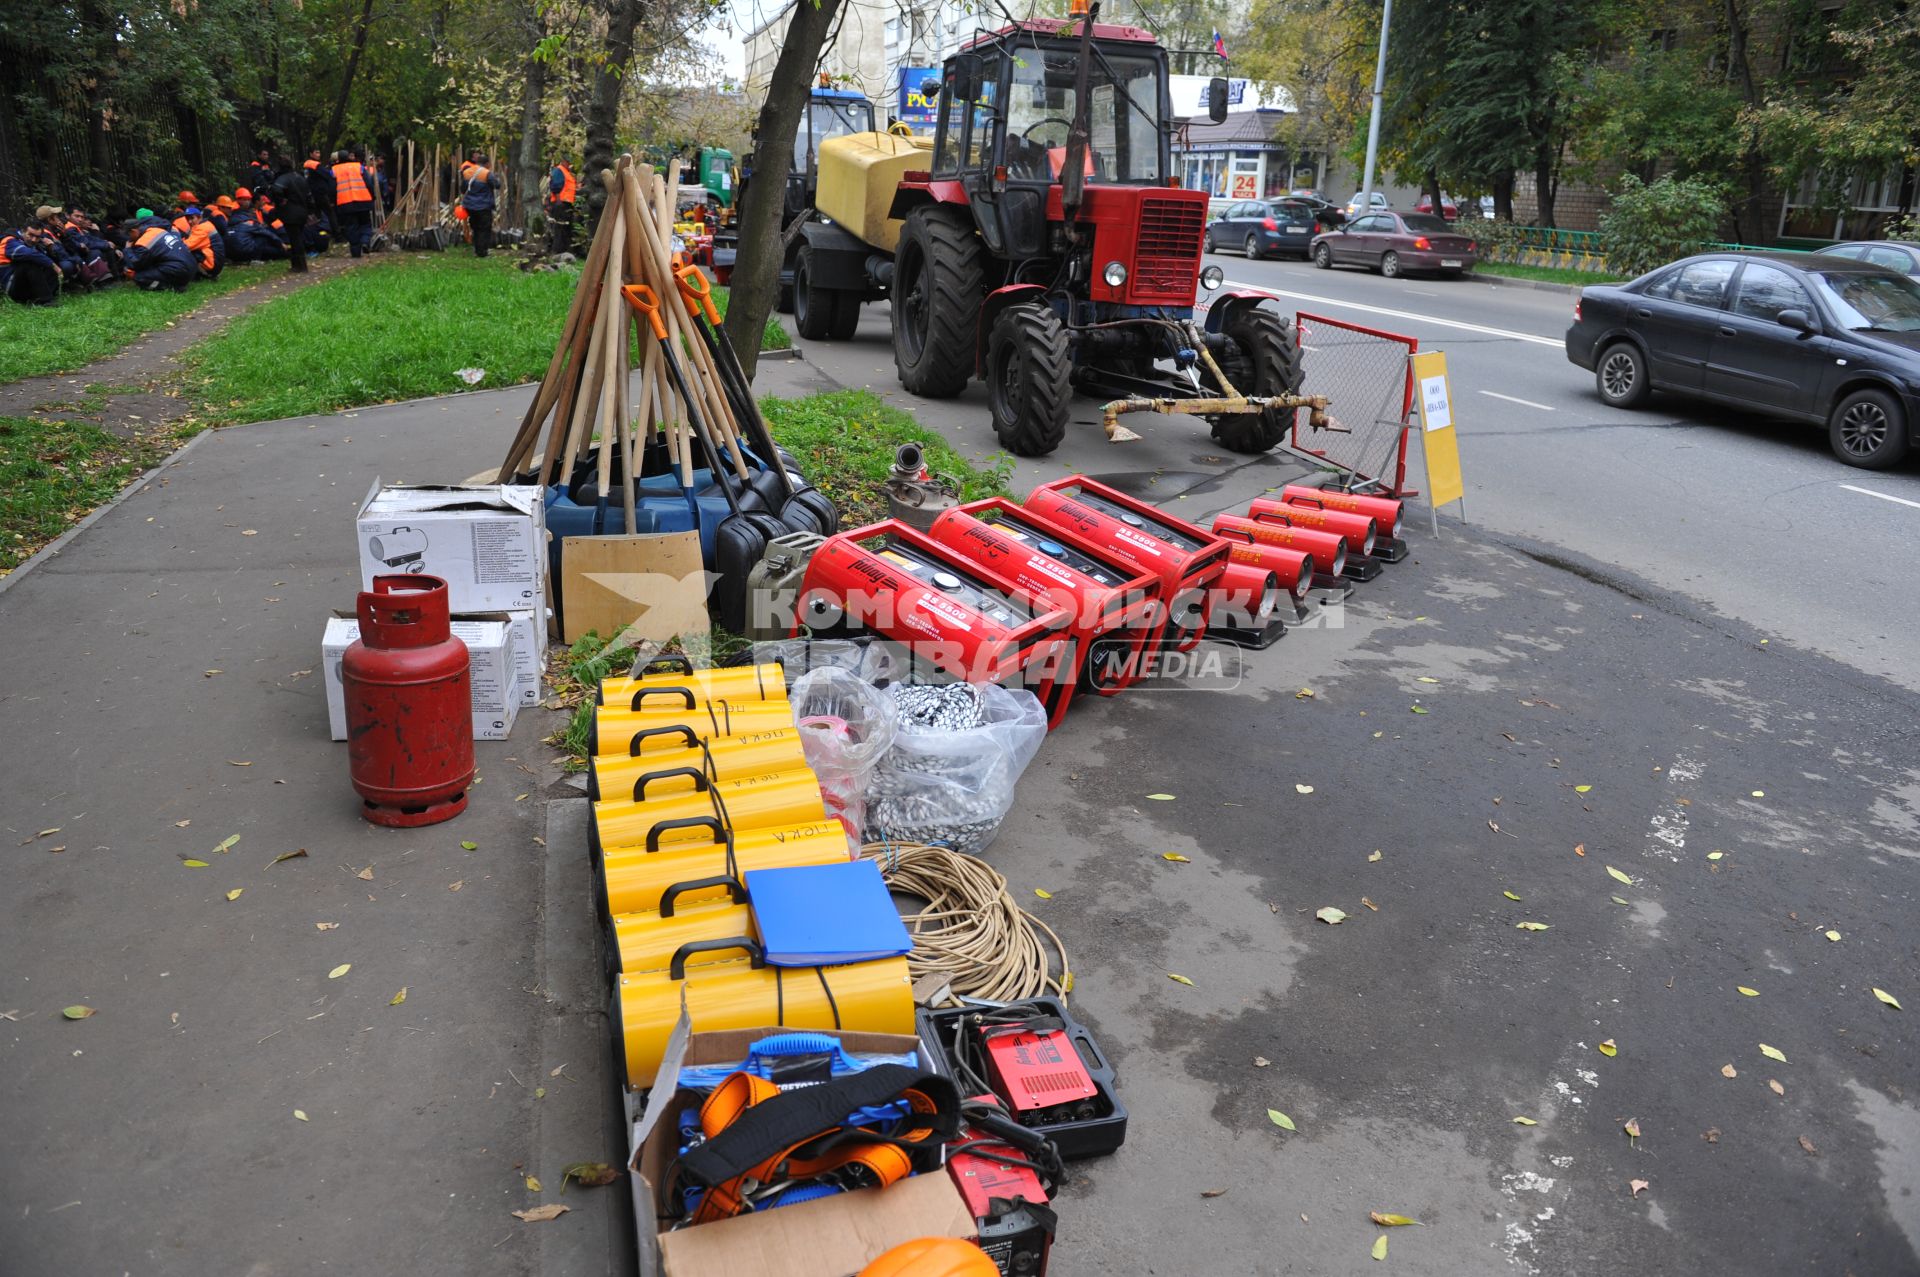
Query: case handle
point(641, 694)
point(734, 886)
point(700, 782)
point(720, 835)
point(678, 729)
point(677, 969)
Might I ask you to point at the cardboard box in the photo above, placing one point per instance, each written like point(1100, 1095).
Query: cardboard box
point(491, 656)
point(833, 1237)
point(529, 652)
point(488, 542)
point(646, 586)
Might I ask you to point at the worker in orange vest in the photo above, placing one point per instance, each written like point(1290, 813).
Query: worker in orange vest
point(353, 202)
point(477, 188)
point(209, 251)
point(561, 192)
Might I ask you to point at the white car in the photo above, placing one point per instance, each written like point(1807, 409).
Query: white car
point(1379, 203)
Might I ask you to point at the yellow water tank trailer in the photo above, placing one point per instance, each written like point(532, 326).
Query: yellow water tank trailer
point(858, 175)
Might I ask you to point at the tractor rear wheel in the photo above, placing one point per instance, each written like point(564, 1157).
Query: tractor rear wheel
point(939, 278)
point(1262, 358)
point(1028, 379)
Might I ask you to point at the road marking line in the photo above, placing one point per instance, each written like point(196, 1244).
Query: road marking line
point(1555, 342)
point(1421, 292)
point(1869, 492)
point(1667, 830)
point(1494, 394)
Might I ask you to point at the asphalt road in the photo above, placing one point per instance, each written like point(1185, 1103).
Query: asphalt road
point(1754, 519)
point(1628, 661)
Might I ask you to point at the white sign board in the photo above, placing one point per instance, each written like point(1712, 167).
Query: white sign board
point(1435, 411)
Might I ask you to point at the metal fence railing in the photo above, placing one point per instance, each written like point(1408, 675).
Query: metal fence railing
point(1364, 373)
point(1550, 246)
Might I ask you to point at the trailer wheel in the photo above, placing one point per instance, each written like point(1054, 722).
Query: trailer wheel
point(1262, 358)
point(816, 310)
point(1028, 379)
point(939, 280)
point(846, 315)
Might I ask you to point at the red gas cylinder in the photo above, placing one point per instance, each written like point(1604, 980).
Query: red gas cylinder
point(409, 705)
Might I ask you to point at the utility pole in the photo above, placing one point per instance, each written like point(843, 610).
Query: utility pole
point(1373, 124)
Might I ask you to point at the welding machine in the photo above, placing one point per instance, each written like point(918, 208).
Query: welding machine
point(954, 615)
point(1187, 559)
point(1044, 1067)
point(1004, 1172)
point(1112, 604)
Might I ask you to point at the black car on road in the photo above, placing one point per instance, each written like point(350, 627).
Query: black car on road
point(1260, 227)
point(1802, 336)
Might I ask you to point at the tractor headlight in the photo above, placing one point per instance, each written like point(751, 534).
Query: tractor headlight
point(1212, 277)
point(1115, 274)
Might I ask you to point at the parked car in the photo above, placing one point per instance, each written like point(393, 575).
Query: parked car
point(1260, 227)
point(1378, 202)
point(1325, 211)
point(1448, 209)
point(1802, 336)
point(1395, 243)
point(1899, 256)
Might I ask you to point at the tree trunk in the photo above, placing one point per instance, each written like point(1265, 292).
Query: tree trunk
point(1430, 187)
point(529, 164)
point(756, 270)
point(603, 107)
point(1543, 182)
point(339, 119)
point(1503, 196)
point(1746, 211)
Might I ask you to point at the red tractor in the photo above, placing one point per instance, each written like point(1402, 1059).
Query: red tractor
point(1047, 246)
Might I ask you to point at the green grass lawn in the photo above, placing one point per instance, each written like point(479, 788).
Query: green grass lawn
point(37, 340)
point(397, 329)
point(1548, 274)
point(51, 473)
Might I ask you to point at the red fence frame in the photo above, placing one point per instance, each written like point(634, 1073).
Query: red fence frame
point(1356, 480)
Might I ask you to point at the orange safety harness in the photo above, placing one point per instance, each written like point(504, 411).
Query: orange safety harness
point(758, 1137)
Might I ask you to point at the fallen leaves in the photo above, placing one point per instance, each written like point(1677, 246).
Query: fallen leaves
point(295, 854)
point(1583, 789)
point(182, 824)
point(1759, 793)
point(540, 1214)
point(77, 1012)
point(235, 893)
point(1304, 694)
point(1043, 894)
point(1303, 789)
point(326, 926)
point(1608, 1049)
point(1711, 1135)
point(533, 1184)
point(1524, 1121)
point(1375, 856)
point(1380, 1246)
point(45, 832)
point(1509, 895)
point(1533, 926)
point(1806, 1146)
point(239, 762)
point(1727, 1070)
point(1632, 1127)
point(365, 875)
point(1635, 1187)
point(1618, 876)
point(1213, 1192)
point(1744, 990)
point(227, 844)
point(600, 1174)
point(455, 886)
point(1888, 998)
point(1773, 1053)
point(1369, 904)
point(399, 997)
point(1418, 709)
point(1715, 855)
point(339, 971)
point(1280, 1120)
point(1833, 936)
point(1617, 900)
point(1390, 1221)
point(1175, 858)
point(190, 863)
point(1180, 979)
point(1261, 1061)
point(1580, 849)
point(1331, 916)
point(467, 845)
point(1773, 1084)
point(300, 1115)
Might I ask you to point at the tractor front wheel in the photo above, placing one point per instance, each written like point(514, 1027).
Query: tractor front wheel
point(1262, 358)
point(939, 278)
point(1028, 379)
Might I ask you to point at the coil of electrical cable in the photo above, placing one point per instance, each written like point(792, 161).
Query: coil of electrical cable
point(972, 931)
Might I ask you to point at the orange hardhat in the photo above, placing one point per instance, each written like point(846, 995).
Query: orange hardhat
point(933, 1257)
point(242, 193)
point(227, 202)
point(187, 197)
point(460, 212)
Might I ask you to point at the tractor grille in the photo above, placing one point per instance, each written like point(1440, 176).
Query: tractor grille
point(1167, 259)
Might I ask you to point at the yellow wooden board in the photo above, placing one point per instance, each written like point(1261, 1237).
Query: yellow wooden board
point(1433, 398)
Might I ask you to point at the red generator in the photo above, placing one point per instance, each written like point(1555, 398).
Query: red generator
point(1113, 606)
point(952, 614)
point(1385, 512)
point(1187, 560)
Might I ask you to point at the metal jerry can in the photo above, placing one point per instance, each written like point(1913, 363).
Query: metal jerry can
point(409, 705)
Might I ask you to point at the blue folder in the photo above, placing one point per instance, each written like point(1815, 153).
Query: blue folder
point(824, 915)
